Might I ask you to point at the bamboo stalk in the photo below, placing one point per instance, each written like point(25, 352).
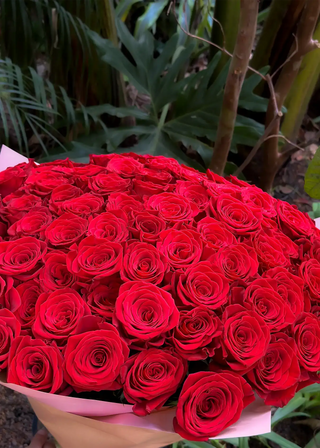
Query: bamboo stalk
point(304, 43)
point(235, 78)
point(301, 92)
point(269, 31)
point(224, 29)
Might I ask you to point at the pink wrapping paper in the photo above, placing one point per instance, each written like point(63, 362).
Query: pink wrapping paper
point(255, 419)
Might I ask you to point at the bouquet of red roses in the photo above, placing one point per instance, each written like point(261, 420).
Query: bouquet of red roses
point(136, 280)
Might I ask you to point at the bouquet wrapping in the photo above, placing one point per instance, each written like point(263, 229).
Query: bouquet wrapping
point(142, 301)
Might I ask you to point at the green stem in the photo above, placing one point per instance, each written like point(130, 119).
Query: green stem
point(237, 72)
point(226, 14)
point(301, 92)
point(269, 31)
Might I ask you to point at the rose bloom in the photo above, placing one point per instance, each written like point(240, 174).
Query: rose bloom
point(110, 225)
point(309, 271)
point(57, 315)
point(245, 338)
point(237, 262)
point(21, 256)
point(54, 274)
point(198, 333)
point(9, 296)
point(35, 365)
point(181, 247)
point(86, 261)
point(215, 234)
point(66, 230)
point(94, 356)
point(9, 330)
point(142, 261)
point(239, 218)
point(29, 293)
point(101, 295)
point(173, 207)
point(11, 179)
point(144, 314)
point(276, 376)
point(306, 331)
point(193, 192)
point(150, 377)
point(203, 284)
point(32, 223)
point(261, 296)
point(147, 226)
point(18, 204)
point(61, 194)
point(209, 403)
point(293, 222)
point(84, 205)
point(106, 184)
point(124, 166)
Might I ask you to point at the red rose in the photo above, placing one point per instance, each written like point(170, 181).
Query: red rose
point(181, 247)
point(101, 160)
point(193, 192)
point(160, 177)
point(95, 257)
point(43, 180)
point(163, 164)
point(259, 200)
point(54, 274)
point(18, 204)
point(101, 296)
point(143, 188)
point(310, 273)
point(150, 377)
point(82, 173)
point(61, 194)
point(289, 287)
point(245, 337)
point(11, 179)
point(290, 248)
point(198, 334)
point(94, 356)
point(84, 205)
point(29, 292)
point(122, 201)
point(106, 184)
point(66, 230)
point(32, 223)
point(21, 256)
point(35, 365)
point(144, 314)
point(217, 189)
point(209, 403)
point(9, 296)
point(111, 226)
point(124, 166)
point(261, 296)
point(237, 216)
point(306, 331)
point(142, 261)
point(276, 375)
point(269, 251)
point(293, 222)
point(215, 234)
point(147, 226)
point(58, 314)
point(173, 207)
point(203, 284)
point(237, 262)
point(9, 330)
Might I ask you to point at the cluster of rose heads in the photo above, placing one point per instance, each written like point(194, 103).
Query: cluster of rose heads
point(138, 275)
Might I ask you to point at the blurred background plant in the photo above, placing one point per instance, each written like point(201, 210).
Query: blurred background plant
point(158, 77)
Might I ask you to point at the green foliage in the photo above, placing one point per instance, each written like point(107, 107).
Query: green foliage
point(312, 179)
point(181, 111)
